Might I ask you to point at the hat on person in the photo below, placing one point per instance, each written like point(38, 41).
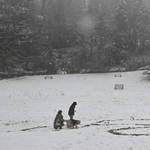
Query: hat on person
point(60, 111)
point(74, 103)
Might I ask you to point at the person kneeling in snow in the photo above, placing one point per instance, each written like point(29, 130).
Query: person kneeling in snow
point(58, 122)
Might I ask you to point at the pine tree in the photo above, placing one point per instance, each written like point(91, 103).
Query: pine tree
point(121, 35)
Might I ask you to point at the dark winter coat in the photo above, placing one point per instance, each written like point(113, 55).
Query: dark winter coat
point(58, 121)
point(71, 110)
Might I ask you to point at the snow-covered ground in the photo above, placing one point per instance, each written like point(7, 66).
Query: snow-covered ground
point(110, 119)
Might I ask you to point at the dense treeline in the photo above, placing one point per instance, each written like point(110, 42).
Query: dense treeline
point(94, 35)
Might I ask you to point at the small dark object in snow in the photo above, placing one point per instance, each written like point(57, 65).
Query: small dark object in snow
point(118, 75)
point(119, 86)
point(48, 77)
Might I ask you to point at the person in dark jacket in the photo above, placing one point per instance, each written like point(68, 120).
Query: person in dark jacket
point(72, 110)
point(58, 122)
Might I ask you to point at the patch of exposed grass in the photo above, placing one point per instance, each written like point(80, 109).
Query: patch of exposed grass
point(115, 131)
point(27, 129)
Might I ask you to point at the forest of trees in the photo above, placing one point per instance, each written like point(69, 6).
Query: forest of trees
point(73, 35)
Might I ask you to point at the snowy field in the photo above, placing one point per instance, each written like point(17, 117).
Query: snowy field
point(110, 119)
